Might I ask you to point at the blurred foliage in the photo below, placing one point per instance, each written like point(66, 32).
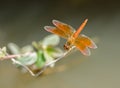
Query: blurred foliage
point(38, 54)
point(2, 52)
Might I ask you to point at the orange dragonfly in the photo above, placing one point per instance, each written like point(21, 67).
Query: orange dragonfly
point(82, 42)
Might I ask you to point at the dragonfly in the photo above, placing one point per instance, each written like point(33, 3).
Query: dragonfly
point(73, 37)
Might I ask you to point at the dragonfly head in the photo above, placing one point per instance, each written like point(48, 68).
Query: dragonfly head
point(67, 45)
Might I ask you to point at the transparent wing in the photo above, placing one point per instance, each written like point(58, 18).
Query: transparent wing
point(64, 27)
point(57, 31)
point(83, 48)
point(86, 41)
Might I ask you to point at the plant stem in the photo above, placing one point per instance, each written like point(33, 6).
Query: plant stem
point(9, 57)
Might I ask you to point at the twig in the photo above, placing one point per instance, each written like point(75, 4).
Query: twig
point(9, 57)
point(17, 62)
point(12, 57)
point(54, 61)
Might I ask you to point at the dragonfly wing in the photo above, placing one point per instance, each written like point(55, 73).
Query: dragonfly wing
point(55, 30)
point(86, 41)
point(84, 50)
point(64, 27)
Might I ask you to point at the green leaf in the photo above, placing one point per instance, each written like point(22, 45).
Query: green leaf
point(4, 49)
point(58, 52)
point(35, 45)
point(54, 52)
point(50, 49)
point(40, 59)
point(28, 59)
point(14, 48)
point(48, 58)
point(27, 48)
point(3, 52)
point(51, 40)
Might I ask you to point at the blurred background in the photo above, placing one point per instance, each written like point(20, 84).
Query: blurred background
point(22, 22)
